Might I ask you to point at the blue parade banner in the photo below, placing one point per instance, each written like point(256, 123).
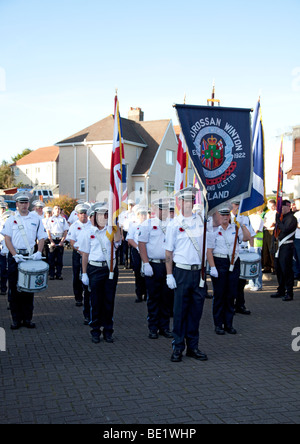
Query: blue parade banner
point(219, 145)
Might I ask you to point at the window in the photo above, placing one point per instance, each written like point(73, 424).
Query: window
point(82, 186)
point(169, 187)
point(170, 157)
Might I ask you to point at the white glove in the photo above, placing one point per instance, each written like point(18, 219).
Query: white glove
point(171, 283)
point(214, 272)
point(85, 279)
point(36, 256)
point(18, 258)
point(148, 270)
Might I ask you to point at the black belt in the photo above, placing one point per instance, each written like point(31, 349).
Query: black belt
point(23, 252)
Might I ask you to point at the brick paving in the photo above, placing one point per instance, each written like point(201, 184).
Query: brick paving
point(55, 374)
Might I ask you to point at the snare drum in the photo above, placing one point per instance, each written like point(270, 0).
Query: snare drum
point(32, 276)
point(250, 263)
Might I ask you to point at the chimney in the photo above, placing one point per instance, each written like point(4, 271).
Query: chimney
point(136, 114)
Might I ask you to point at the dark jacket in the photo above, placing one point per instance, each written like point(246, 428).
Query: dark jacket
point(287, 226)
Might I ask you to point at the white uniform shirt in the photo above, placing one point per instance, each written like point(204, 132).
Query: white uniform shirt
point(152, 234)
point(33, 227)
point(73, 217)
point(126, 219)
point(133, 233)
point(57, 225)
point(77, 230)
point(297, 216)
point(222, 241)
point(180, 244)
point(90, 244)
point(247, 223)
point(270, 219)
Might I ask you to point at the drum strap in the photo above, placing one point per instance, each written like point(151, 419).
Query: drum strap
point(282, 242)
point(24, 235)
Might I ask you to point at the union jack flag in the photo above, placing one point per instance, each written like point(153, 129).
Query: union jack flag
point(118, 187)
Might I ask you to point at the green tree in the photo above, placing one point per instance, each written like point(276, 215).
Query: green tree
point(6, 176)
point(19, 156)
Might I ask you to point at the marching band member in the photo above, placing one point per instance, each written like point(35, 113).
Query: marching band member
point(133, 240)
point(240, 302)
point(57, 229)
point(152, 241)
point(184, 245)
point(76, 231)
point(96, 258)
point(4, 253)
point(21, 232)
point(38, 207)
point(220, 245)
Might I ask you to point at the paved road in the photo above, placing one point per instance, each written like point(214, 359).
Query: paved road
point(55, 374)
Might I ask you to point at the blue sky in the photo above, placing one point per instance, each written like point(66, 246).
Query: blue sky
point(60, 62)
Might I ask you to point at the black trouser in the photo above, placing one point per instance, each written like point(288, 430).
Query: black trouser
point(21, 303)
point(140, 283)
point(4, 273)
point(240, 299)
point(78, 287)
point(55, 259)
point(225, 292)
point(284, 270)
point(103, 291)
point(189, 301)
point(267, 255)
point(158, 298)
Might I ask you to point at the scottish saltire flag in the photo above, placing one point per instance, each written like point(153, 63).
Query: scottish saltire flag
point(118, 186)
point(219, 146)
point(280, 179)
point(181, 172)
point(257, 200)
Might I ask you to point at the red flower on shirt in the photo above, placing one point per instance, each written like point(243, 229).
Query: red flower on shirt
point(220, 234)
point(15, 222)
point(181, 230)
point(92, 236)
point(52, 221)
point(78, 228)
point(154, 228)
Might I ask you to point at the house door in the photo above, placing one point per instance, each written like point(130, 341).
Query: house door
point(139, 192)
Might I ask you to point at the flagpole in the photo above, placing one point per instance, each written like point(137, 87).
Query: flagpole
point(212, 102)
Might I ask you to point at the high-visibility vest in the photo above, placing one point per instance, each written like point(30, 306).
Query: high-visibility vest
point(258, 240)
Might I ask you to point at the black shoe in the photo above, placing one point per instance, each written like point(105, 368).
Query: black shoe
point(15, 325)
point(95, 339)
point(287, 298)
point(153, 335)
point(51, 278)
point(59, 278)
point(220, 331)
point(86, 321)
point(166, 333)
point(108, 338)
point(196, 354)
point(176, 356)
point(230, 330)
point(242, 310)
point(78, 304)
point(276, 296)
point(138, 300)
point(29, 324)
point(3, 293)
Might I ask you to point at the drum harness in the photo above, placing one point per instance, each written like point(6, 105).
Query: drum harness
point(229, 255)
point(24, 235)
